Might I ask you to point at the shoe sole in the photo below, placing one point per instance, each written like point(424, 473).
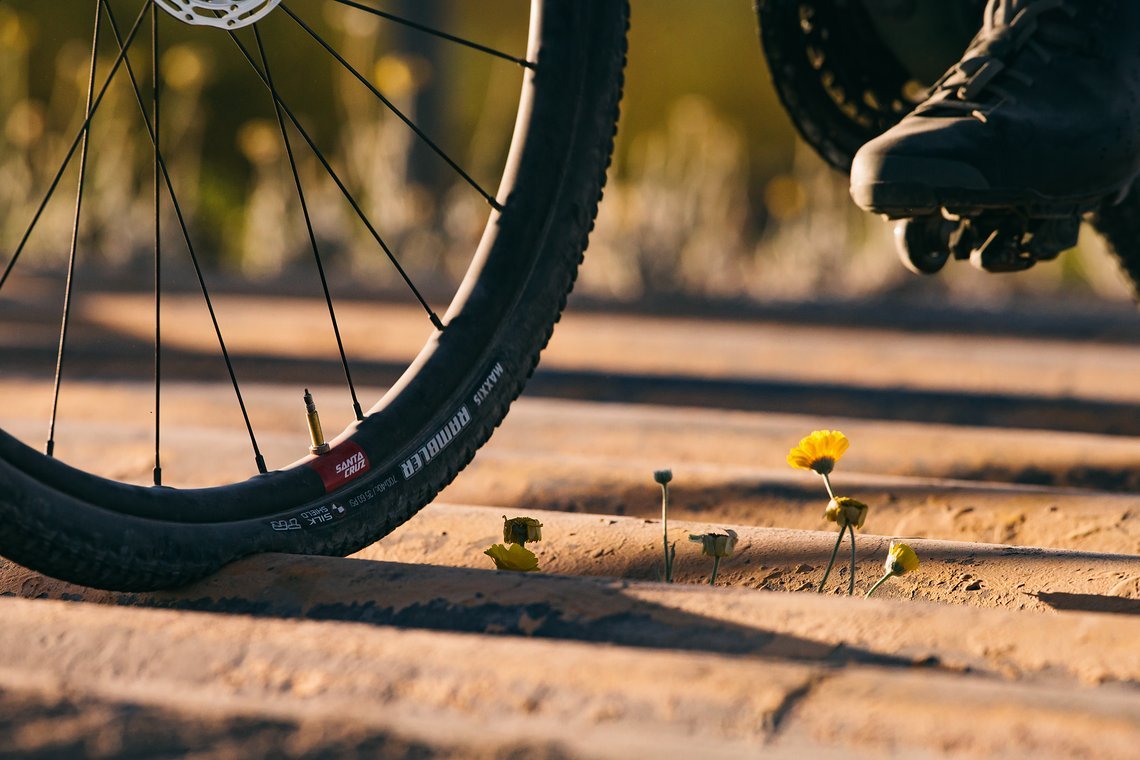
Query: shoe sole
point(902, 200)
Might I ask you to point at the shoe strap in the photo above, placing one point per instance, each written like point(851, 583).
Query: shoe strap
point(1011, 27)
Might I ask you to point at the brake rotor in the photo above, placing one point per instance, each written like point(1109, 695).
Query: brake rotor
point(223, 14)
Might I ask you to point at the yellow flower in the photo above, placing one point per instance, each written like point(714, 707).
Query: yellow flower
point(845, 511)
point(901, 559)
point(519, 530)
point(514, 557)
point(716, 544)
point(819, 451)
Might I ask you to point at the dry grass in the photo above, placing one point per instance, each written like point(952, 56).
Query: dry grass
point(684, 212)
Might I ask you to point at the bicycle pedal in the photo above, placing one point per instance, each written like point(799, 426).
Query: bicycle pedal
point(993, 241)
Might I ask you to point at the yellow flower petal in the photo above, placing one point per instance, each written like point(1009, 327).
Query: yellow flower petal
point(819, 451)
point(901, 559)
point(514, 557)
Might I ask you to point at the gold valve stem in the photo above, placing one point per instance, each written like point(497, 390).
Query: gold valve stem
point(319, 445)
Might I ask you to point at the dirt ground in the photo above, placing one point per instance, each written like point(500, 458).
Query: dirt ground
point(1006, 451)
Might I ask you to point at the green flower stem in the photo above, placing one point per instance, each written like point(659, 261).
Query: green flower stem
point(851, 580)
point(878, 583)
point(716, 566)
point(665, 531)
point(831, 562)
point(827, 485)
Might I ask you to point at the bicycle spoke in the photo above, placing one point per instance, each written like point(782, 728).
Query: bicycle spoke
point(155, 88)
point(392, 107)
point(177, 206)
point(435, 320)
point(147, 5)
point(437, 33)
point(308, 223)
point(50, 447)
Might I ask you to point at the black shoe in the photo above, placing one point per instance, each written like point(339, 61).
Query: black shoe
point(1042, 114)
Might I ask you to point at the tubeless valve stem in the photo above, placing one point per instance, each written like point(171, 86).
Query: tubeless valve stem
point(319, 444)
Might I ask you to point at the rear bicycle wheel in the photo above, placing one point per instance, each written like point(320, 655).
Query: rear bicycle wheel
point(392, 460)
point(1119, 223)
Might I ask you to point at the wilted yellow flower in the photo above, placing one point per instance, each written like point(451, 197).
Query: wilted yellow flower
point(819, 451)
point(519, 530)
point(514, 557)
point(845, 511)
point(716, 544)
point(901, 559)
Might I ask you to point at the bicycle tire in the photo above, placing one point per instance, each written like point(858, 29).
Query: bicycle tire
point(1119, 224)
point(823, 58)
point(82, 528)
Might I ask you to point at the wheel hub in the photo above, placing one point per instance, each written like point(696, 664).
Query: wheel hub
point(223, 14)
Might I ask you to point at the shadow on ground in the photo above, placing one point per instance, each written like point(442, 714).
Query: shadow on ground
point(1090, 603)
point(432, 597)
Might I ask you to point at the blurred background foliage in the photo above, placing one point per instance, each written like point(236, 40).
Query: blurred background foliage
point(711, 194)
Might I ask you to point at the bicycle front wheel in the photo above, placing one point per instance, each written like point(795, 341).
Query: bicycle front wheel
point(94, 530)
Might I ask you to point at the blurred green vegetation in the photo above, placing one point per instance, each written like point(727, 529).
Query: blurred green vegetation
point(711, 192)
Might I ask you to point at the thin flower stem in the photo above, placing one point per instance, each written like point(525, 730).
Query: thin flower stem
point(878, 583)
point(851, 580)
point(831, 562)
point(716, 566)
point(827, 485)
point(665, 531)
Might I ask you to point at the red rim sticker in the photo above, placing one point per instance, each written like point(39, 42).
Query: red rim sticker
point(343, 464)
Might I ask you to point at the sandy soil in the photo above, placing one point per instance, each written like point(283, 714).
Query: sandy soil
point(1007, 458)
point(309, 685)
